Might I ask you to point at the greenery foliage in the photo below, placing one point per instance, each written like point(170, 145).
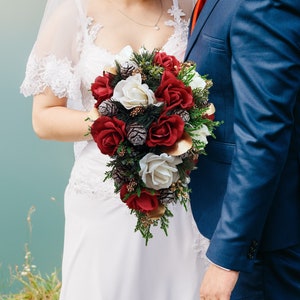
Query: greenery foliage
point(33, 285)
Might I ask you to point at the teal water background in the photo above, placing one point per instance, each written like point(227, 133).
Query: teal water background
point(32, 172)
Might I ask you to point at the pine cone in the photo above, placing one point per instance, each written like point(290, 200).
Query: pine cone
point(203, 103)
point(185, 116)
point(127, 69)
point(188, 154)
point(108, 108)
point(136, 134)
point(166, 196)
point(119, 176)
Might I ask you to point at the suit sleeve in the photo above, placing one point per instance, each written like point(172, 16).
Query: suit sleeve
point(265, 37)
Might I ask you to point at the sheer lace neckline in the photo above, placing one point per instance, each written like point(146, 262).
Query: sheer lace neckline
point(176, 20)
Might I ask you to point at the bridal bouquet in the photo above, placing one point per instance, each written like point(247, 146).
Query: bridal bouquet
point(155, 119)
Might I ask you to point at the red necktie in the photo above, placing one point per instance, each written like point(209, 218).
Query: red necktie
point(199, 5)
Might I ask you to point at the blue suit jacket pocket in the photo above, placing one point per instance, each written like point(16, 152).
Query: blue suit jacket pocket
point(215, 44)
point(216, 55)
point(220, 152)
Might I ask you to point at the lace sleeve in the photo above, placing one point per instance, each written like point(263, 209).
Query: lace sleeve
point(53, 59)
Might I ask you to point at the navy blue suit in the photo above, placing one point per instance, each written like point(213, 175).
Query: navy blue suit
point(246, 191)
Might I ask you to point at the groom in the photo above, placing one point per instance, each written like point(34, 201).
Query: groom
point(246, 191)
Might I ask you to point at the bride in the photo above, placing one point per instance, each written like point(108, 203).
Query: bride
point(104, 259)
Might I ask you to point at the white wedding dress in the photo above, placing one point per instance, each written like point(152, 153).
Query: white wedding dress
point(104, 259)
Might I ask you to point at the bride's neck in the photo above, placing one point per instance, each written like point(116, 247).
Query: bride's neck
point(131, 2)
point(123, 4)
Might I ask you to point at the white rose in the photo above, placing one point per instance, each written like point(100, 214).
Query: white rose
point(124, 55)
point(132, 92)
point(201, 134)
point(159, 171)
point(123, 58)
point(197, 82)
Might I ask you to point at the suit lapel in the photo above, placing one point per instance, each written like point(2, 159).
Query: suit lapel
point(205, 13)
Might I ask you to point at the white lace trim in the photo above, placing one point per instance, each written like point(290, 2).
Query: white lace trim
point(58, 74)
point(176, 12)
point(179, 38)
point(91, 188)
point(92, 28)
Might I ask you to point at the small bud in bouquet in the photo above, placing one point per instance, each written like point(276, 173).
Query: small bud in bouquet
point(155, 121)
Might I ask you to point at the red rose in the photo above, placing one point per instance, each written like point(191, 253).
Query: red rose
point(166, 131)
point(101, 88)
point(168, 62)
point(174, 93)
point(146, 202)
point(108, 133)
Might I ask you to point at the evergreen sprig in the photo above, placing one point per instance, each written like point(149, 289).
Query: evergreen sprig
point(151, 73)
point(149, 115)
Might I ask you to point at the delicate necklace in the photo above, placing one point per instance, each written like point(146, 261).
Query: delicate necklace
point(155, 26)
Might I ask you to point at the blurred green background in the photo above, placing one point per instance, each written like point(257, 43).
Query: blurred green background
point(32, 172)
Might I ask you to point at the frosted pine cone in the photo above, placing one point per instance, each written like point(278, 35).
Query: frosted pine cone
point(136, 134)
point(188, 154)
point(108, 108)
point(166, 196)
point(185, 116)
point(119, 176)
point(127, 69)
